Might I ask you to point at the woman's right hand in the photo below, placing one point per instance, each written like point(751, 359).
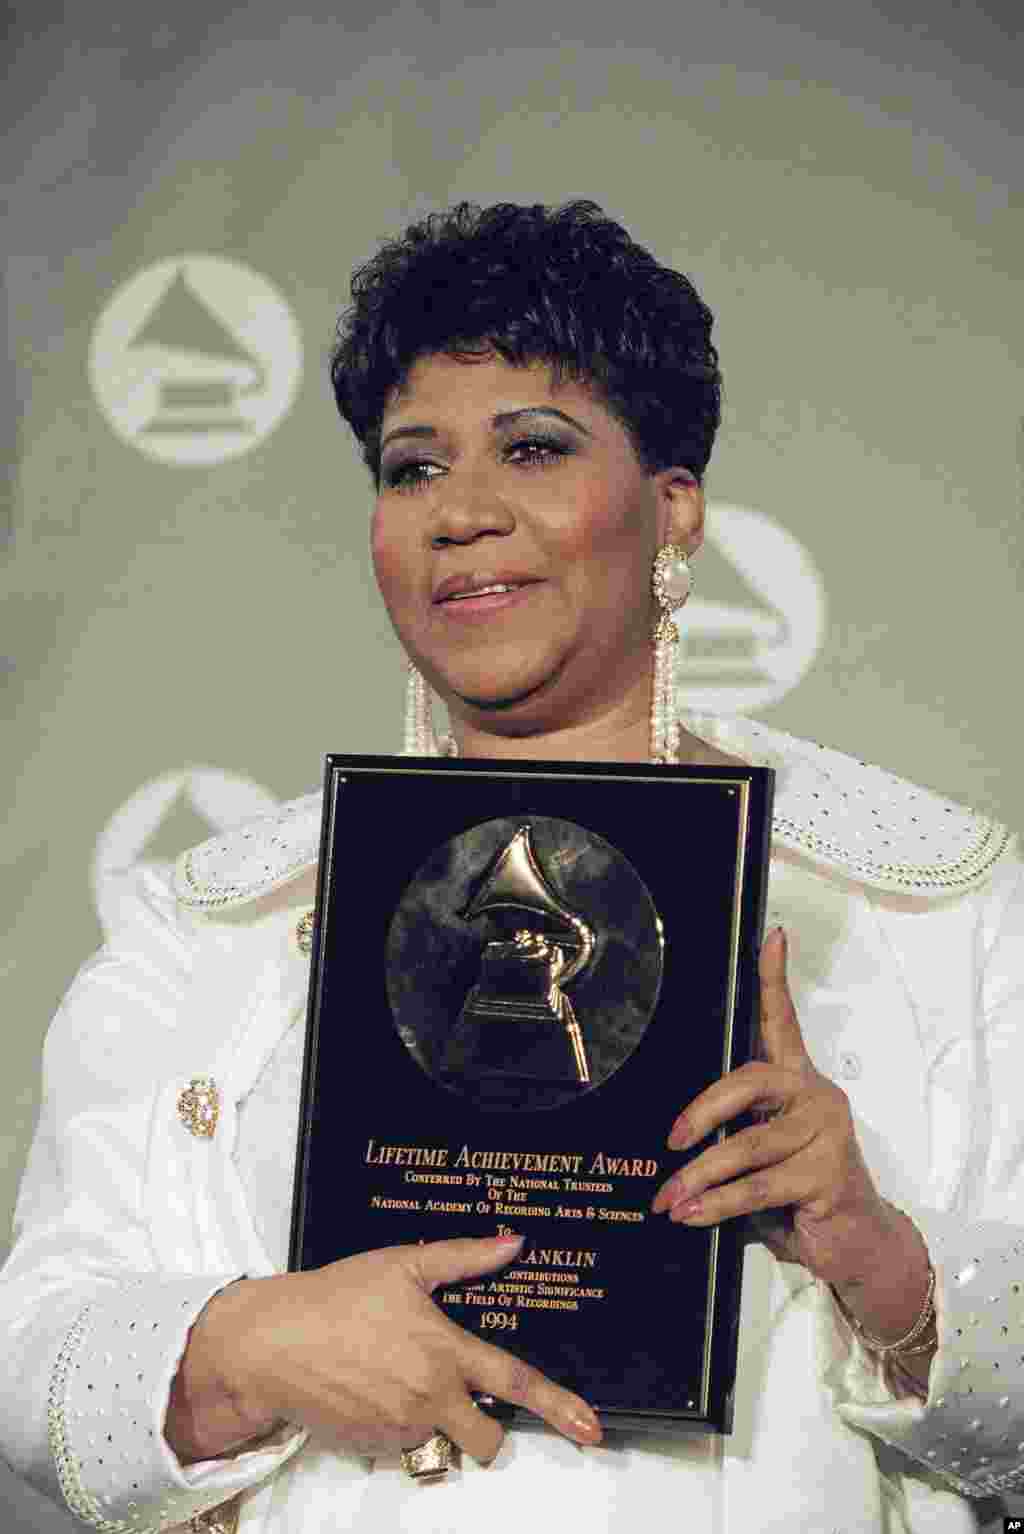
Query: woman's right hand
point(358, 1353)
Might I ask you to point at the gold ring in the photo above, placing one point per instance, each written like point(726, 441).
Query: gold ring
point(430, 1459)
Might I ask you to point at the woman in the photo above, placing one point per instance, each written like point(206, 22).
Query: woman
point(536, 401)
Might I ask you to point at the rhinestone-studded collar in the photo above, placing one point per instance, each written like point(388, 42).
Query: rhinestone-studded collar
point(839, 813)
point(857, 819)
point(252, 860)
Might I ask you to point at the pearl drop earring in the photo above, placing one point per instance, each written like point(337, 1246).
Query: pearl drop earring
point(420, 738)
point(671, 583)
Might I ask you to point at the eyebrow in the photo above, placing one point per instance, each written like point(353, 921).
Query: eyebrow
point(505, 417)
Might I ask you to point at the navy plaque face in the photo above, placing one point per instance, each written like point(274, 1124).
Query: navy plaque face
point(523, 963)
point(520, 973)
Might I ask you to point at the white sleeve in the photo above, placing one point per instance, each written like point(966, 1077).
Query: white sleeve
point(970, 1429)
point(91, 1332)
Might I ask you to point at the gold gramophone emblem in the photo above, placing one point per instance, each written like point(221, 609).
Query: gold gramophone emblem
point(517, 1020)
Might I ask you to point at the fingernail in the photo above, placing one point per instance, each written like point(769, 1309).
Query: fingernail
point(508, 1240)
point(665, 1198)
point(585, 1421)
point(679, 1134)
point(686, 1210)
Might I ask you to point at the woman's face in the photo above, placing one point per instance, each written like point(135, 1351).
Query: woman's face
point(507, 480)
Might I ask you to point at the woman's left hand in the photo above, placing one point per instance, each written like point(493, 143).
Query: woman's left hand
point(797, 1173)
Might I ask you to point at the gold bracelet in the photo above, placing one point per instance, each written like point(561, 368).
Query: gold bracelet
point(922, 1347)
point(903, 1345)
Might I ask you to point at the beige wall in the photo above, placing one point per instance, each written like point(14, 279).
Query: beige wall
point(843, 198)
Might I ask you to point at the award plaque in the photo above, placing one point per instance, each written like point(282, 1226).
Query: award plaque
point(521, 973)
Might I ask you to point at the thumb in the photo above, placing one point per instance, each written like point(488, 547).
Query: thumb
point(781, 1040)
point(445, 1262)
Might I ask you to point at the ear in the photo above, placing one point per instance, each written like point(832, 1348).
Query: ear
point(680, 509)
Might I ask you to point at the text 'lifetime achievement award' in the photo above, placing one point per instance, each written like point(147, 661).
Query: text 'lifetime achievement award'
point(520, 976)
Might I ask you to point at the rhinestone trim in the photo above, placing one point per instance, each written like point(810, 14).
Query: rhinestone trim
point(282, 846)
point(983, 1486)
point(967, 870)
point(818, 790)
point(167, 1505)
point(78, 1500)
point(209, 893)
point(865, 804)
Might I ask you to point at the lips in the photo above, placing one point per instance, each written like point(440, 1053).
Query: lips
point(458, 587)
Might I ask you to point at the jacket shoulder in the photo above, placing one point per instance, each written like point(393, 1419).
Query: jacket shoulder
point(857, 819)
point(844, 815)
point(251, 860)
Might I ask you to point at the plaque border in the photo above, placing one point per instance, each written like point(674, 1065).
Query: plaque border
point(337, 766)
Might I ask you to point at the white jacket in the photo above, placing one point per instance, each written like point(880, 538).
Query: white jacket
point(906, 923)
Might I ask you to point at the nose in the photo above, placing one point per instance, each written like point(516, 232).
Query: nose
point(467, 508)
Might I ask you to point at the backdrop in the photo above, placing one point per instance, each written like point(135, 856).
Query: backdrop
point(190, 620)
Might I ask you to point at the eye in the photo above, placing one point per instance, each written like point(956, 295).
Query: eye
point(544, 449)
point(537, 450)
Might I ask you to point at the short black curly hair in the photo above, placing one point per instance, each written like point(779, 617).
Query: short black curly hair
point(564, 285)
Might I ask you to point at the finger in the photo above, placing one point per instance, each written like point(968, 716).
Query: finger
point(757, 1084)
point(445, 1262)
point(747, 1151)
point(780, 1030)
point(776, 1187)
point(472, 1429)
point(494, 1372)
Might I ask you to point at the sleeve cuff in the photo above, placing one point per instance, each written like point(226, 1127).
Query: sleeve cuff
point(108, 1400)
point(970, 1429)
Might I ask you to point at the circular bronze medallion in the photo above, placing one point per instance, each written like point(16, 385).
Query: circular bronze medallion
point(524, 962)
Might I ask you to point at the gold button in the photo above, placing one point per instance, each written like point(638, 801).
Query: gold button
point(199, 1107)
point(304, 933)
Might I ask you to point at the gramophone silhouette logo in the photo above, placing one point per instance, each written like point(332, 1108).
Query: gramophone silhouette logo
point(194, 360)
point(756, 619)
point(163, 817)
